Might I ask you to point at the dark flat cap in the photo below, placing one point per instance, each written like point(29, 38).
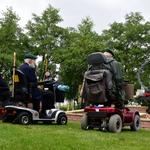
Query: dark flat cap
point(30, 56)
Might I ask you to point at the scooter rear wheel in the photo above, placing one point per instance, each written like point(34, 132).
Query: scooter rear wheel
point(115, 123)
point(24, 118)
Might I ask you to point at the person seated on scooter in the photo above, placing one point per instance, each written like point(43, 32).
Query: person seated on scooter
point(116, 69)
point(4, 92)
point(29, 70)
point(48, 76)
point(48, 94)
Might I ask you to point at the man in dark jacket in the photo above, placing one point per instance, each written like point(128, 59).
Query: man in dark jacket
point(28, 68)
point(117, 71)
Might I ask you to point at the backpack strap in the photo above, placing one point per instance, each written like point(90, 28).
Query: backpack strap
point(108, 66)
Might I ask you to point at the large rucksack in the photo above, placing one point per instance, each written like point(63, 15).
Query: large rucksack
point(95, 86)
point(97, 80)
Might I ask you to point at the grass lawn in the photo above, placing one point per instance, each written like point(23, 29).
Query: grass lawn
point(69, 137)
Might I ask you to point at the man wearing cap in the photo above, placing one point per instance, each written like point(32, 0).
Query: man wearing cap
point(116, 69)
point(28, 68)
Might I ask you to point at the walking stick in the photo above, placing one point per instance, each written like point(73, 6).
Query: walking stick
point(13, 76)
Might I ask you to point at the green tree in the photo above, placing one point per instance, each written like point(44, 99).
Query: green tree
point(130, 40)
point(45, 34)
point(11, 39)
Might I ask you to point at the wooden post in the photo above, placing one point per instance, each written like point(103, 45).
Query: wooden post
point(45, 66)
point(13, 76)
point(46, 62)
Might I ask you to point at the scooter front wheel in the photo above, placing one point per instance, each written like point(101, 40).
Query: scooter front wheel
point(62, 119)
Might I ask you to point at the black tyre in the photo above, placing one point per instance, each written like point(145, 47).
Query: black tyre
point(136, 123)
point(24, 118)
point(84, 122)
point(115, 124)
point(62, 119)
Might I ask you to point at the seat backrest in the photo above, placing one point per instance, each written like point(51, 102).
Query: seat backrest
point(20, 79)
point(21, 90)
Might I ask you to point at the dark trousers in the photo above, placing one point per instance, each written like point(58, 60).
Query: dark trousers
point(36, 105)
point(48, 100)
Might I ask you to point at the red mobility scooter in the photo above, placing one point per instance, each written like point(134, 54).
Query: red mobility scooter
point(97, 91)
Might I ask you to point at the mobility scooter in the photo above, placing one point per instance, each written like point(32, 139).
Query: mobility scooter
point(17, 110)
point(98, 94)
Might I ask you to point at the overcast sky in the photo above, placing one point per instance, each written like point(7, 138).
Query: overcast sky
point(102, 12)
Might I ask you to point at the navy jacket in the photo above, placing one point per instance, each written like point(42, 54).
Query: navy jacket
point(31, 78)
point(29, 72)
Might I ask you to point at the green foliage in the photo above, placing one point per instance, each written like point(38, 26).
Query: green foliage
point(11, 40)
point(131, 43)
point(63, 107)
point(45, 35)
